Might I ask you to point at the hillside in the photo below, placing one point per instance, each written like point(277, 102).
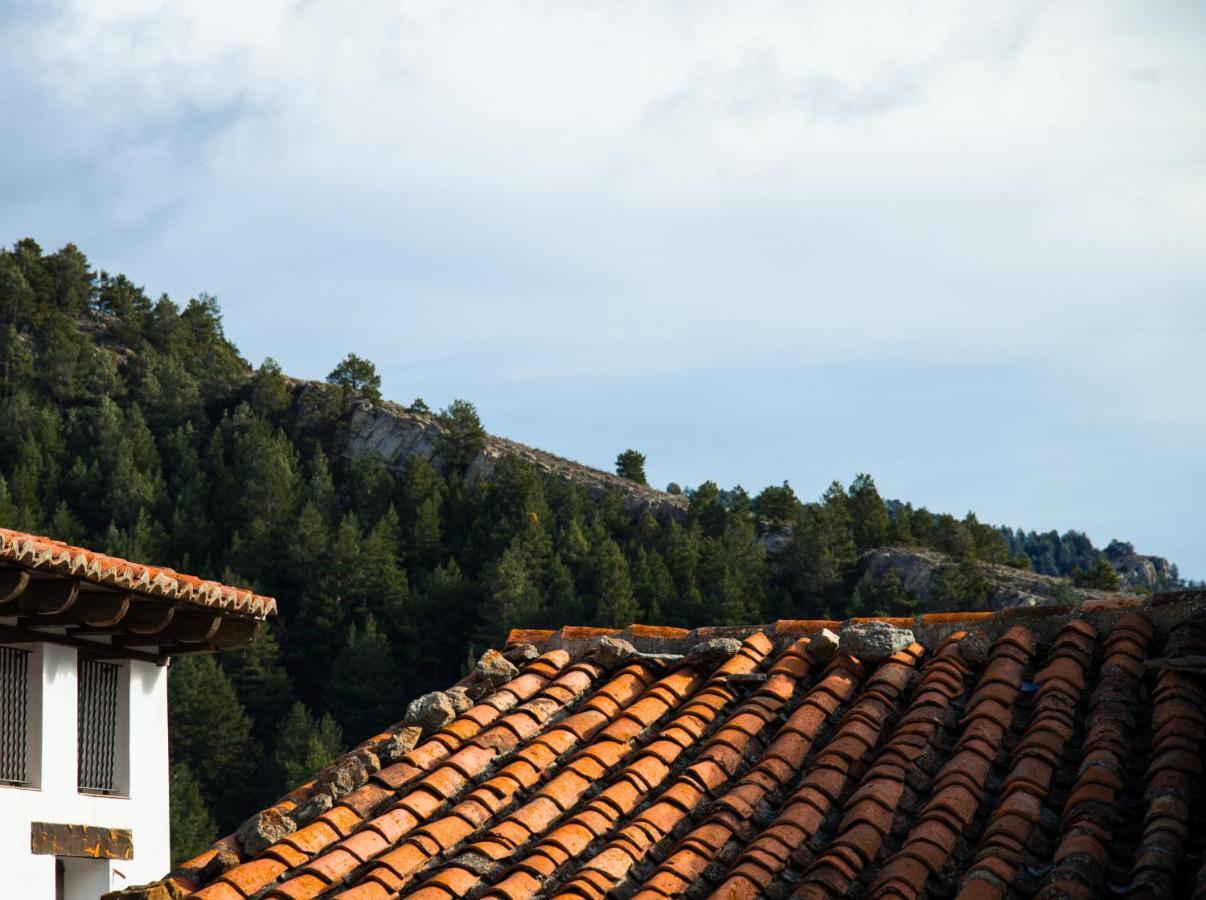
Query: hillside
point(395, 434)
point(397, 542)
point(918, 572)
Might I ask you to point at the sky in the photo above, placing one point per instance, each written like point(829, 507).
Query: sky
point(960, 246)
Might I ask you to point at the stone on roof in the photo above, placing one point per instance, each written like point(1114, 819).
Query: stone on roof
point(992, 756)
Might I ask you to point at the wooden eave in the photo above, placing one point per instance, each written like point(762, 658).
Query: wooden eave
point(39, 606)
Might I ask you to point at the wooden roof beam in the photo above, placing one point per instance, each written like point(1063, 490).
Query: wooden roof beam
point(12, 584)
point(48, 597)
point(98, 609)
point(186, 627)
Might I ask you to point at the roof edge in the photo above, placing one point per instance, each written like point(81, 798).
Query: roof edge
point(44, 554)
point(1164, 610)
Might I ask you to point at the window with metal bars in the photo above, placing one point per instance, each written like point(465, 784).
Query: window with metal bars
point(98, 698)
point(14, 716)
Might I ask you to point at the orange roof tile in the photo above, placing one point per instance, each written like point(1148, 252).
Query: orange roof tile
point(47, 555)
point(987, 759)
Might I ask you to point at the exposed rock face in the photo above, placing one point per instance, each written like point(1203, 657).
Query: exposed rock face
point(395, 433)
point(873, 641)
point(917, 570)
point(1139, 572)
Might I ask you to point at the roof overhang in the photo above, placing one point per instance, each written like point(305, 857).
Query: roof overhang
point(109, 607)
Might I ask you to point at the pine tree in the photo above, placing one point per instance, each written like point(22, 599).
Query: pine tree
point(302, 746)
point(868, 514)
point(1100, 577)
point(426, 542)
point(631, 465)
point(778, 504)
point(462, 437)
point(363, 692)
point(515, 598)
point(313, 639)
point(384, 580)
point(8, 510)
point(320, 489)
point(562, 605)
point(682, 559)
point(260, 681)
point(356, 378)
point(193, 829)
point(900, 524)
point(613, 586)
point(16, 361)
point(211, 734)
point(269, 393)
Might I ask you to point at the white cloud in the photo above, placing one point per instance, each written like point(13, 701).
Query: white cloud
point(517, 194)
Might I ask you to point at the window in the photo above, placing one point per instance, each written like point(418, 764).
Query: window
point(99, 733)
point(14, 716)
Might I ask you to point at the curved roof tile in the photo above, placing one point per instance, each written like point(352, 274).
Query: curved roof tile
point(47, 555)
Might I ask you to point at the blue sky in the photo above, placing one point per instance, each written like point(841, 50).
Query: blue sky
point(959, 246)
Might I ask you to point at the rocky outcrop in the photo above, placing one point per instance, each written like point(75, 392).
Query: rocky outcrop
point(1139, 572)
point(395, 434)
point(917, 570)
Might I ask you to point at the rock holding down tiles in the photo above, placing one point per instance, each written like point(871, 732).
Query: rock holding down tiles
point(431, 711)
point(707, 655)
point(495, 668)
point(873, 641)
point(823, 645)
point(611, 653)
point(264, 829)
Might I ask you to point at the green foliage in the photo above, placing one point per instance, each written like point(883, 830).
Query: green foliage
point(959, 586)
point(269, 394)
point(211, 734)
point(357, 378)
point(303, 745)
point(616, 606)
point(515, 591)
point(631, 465)
point(363, 692)
point(868, 515)
point(192, 827)
point(1101, 576)
point(462, 437)
point(260, 682)
point(134, 426)
point(777, 504)
point(883, 596)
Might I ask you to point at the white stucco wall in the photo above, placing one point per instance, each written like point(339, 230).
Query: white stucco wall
point(53, 758)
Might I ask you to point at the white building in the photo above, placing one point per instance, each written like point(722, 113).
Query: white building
point(85, 641)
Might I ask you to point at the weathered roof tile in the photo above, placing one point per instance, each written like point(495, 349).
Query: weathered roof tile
point(774, 773)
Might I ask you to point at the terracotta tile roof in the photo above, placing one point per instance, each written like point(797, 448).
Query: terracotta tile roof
point(44, 554)
point(1020, 754)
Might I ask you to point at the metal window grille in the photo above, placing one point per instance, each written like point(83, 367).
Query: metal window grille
point(14, 715)
point(97, 725)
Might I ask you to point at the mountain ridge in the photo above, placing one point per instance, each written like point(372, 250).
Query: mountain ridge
point(394, 433)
